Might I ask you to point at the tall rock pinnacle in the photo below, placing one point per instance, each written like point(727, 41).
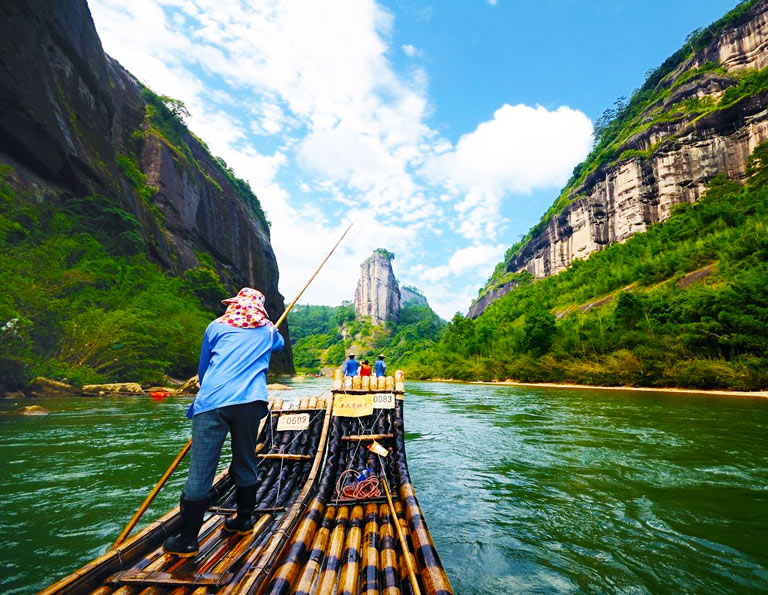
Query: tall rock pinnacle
point(378, 294)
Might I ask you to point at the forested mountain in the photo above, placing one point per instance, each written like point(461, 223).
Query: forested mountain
point(698, 115)
point(323, 335)
point(683, 304)
point(119, 231)
point(671, 208)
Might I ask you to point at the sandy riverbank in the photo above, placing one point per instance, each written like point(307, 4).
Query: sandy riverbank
point(690, 391)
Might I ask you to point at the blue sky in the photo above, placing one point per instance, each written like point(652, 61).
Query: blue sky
point(442, 129)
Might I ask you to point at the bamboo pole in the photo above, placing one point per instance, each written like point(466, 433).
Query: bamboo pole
point(371, 560)
point(314, 563)
point(148, 500)
point(145, 505)
point(390, 576)
point(296, 299)
point(399, 530)
point(330, 573)
point(366, 437)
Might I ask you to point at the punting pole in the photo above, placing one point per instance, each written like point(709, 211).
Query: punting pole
point(145, 505)
point(399, 530)
point(143, 508)
point(296, 299)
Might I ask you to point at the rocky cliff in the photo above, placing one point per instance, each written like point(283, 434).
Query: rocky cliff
point(378, 293)
point(74, 122)
point(699, 115)
point(410, 296)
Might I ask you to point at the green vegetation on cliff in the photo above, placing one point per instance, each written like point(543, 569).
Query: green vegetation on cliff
point(319, 333)
point(164, 119)
point(684, 304)
point(81, 302)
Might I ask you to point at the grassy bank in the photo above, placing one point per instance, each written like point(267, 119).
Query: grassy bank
point(683, 391)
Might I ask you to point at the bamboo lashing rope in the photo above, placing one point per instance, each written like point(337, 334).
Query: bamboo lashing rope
point(145, 505)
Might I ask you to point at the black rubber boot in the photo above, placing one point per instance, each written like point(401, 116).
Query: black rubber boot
point(242, 523)
point(185, 545)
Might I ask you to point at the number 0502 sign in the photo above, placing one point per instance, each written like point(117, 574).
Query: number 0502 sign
point(295, 421)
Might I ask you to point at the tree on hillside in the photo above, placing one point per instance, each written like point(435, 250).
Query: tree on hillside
point(539, 331)
point(176, 107)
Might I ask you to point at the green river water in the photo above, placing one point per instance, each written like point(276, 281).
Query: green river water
point(528, 490)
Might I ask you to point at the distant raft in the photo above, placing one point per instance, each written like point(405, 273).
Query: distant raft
point(355, 528)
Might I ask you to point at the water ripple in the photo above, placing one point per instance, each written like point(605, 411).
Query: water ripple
point(525, 490)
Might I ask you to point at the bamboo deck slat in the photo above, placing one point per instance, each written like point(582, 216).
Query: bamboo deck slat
point(287, 457)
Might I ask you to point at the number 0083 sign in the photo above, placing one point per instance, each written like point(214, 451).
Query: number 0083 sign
point(383, 400)
point(294, 421)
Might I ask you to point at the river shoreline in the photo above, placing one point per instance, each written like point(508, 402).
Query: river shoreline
point(762, 394)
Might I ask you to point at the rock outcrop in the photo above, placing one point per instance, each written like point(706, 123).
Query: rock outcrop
point(668, 163)
point(113, 389)
point(378, 293)
point(73, 121)
point(410, 296)
point(190, 387)
point(33, 410)
point(45, 387)
point(489, 296)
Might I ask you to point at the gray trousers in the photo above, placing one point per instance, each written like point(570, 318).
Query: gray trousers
point(209, 429)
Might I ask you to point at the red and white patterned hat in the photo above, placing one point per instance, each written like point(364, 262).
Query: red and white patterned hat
point(245, 310)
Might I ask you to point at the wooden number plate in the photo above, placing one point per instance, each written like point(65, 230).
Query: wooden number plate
point(294, 421)
point(383, 400)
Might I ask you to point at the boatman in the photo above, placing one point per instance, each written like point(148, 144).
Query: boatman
point(350, 366)
point(380, 368)
point(232, 400)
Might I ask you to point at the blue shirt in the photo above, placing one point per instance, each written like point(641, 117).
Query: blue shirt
point(380, 367)
point(350, 367)
point(233, 365)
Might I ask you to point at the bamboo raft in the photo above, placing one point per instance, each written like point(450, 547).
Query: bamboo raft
point(309, 537)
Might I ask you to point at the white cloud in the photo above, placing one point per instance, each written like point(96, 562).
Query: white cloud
point(411, 51)
point(521, 149)
point(476, 258)
point(303, 95)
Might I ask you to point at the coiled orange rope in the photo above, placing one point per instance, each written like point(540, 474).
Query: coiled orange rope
point(357, 490)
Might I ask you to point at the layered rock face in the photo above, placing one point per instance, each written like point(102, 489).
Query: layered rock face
point(69, 112)
point(378, 293)
point(624, 197)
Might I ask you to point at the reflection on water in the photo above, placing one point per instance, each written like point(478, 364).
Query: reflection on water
point(524, 489)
